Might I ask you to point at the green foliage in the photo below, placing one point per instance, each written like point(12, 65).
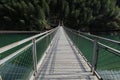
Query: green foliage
point(91, 15)
point(23, 14)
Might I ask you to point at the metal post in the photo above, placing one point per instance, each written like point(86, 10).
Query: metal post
point(95, 55)
point(72, 37)
point(34, 57)
point(78, 36)
point(50, 37)
point(47, 40)
point(0, 77)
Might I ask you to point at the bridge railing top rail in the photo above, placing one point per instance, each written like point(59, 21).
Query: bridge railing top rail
point(18, 43)
point(22, 59)
point(102, 54)
point(87, 35)
point(91, 35)
point(15, 44)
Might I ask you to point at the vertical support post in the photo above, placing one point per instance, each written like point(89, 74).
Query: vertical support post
point(50, 37)
point(78, 37)
point(95, 55)
point(34, 57)
point(0, 77)
point(72, 37)
point(47, 40)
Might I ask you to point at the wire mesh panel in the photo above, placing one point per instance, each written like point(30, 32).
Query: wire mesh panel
point(106, 57)
point(8, 52)
point(86, 48)
point(115, 46)
point(84, 45)
point(42, 45)
point(12, 37)
point(19, 63)
point(108, 65)
point(19, 67)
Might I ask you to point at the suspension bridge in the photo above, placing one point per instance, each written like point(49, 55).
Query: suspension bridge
point(61, 54)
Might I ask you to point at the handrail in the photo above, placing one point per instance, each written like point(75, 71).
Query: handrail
point(26, 59)
point(98, 37)
point(5, 48)
point(97, 45)
point(18, 52)
point(102, 38)
point(14, 32)
point(108, 48)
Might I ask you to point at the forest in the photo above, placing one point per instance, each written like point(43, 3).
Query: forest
point(36, 15)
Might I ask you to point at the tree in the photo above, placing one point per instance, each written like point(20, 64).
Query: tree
point(90, 15)
point(23, 14)
point(93, 15)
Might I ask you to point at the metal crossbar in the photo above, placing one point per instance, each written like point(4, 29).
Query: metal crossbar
point(22, 64)
point(115, 51)
point(103, 57)
point(3, 49)
point(86, 36)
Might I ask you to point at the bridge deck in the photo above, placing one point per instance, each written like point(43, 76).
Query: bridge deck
point(63, 62)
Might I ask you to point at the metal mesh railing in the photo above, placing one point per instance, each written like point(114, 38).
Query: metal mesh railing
point(18, 67)
point(8, 38)
point(85, 46)
point(43, 44)
point(108, 65)
point(10, 51)
point(22, 64)
point(103, 54)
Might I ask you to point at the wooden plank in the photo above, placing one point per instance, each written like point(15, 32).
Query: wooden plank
point(62, 63)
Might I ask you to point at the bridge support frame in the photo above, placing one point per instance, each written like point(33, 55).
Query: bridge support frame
point(95, 55)
point(34, 57)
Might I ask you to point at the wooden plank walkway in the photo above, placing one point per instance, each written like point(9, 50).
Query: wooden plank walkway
point(63, 62)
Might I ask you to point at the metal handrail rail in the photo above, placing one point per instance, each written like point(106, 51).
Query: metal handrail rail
point(14, 32)
point(98, 37)
point(108, 48)
point(96, 45)
point(102, 38)
point(15, 44)
point(34, 40)
point(27, 46)
point(8, 47)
